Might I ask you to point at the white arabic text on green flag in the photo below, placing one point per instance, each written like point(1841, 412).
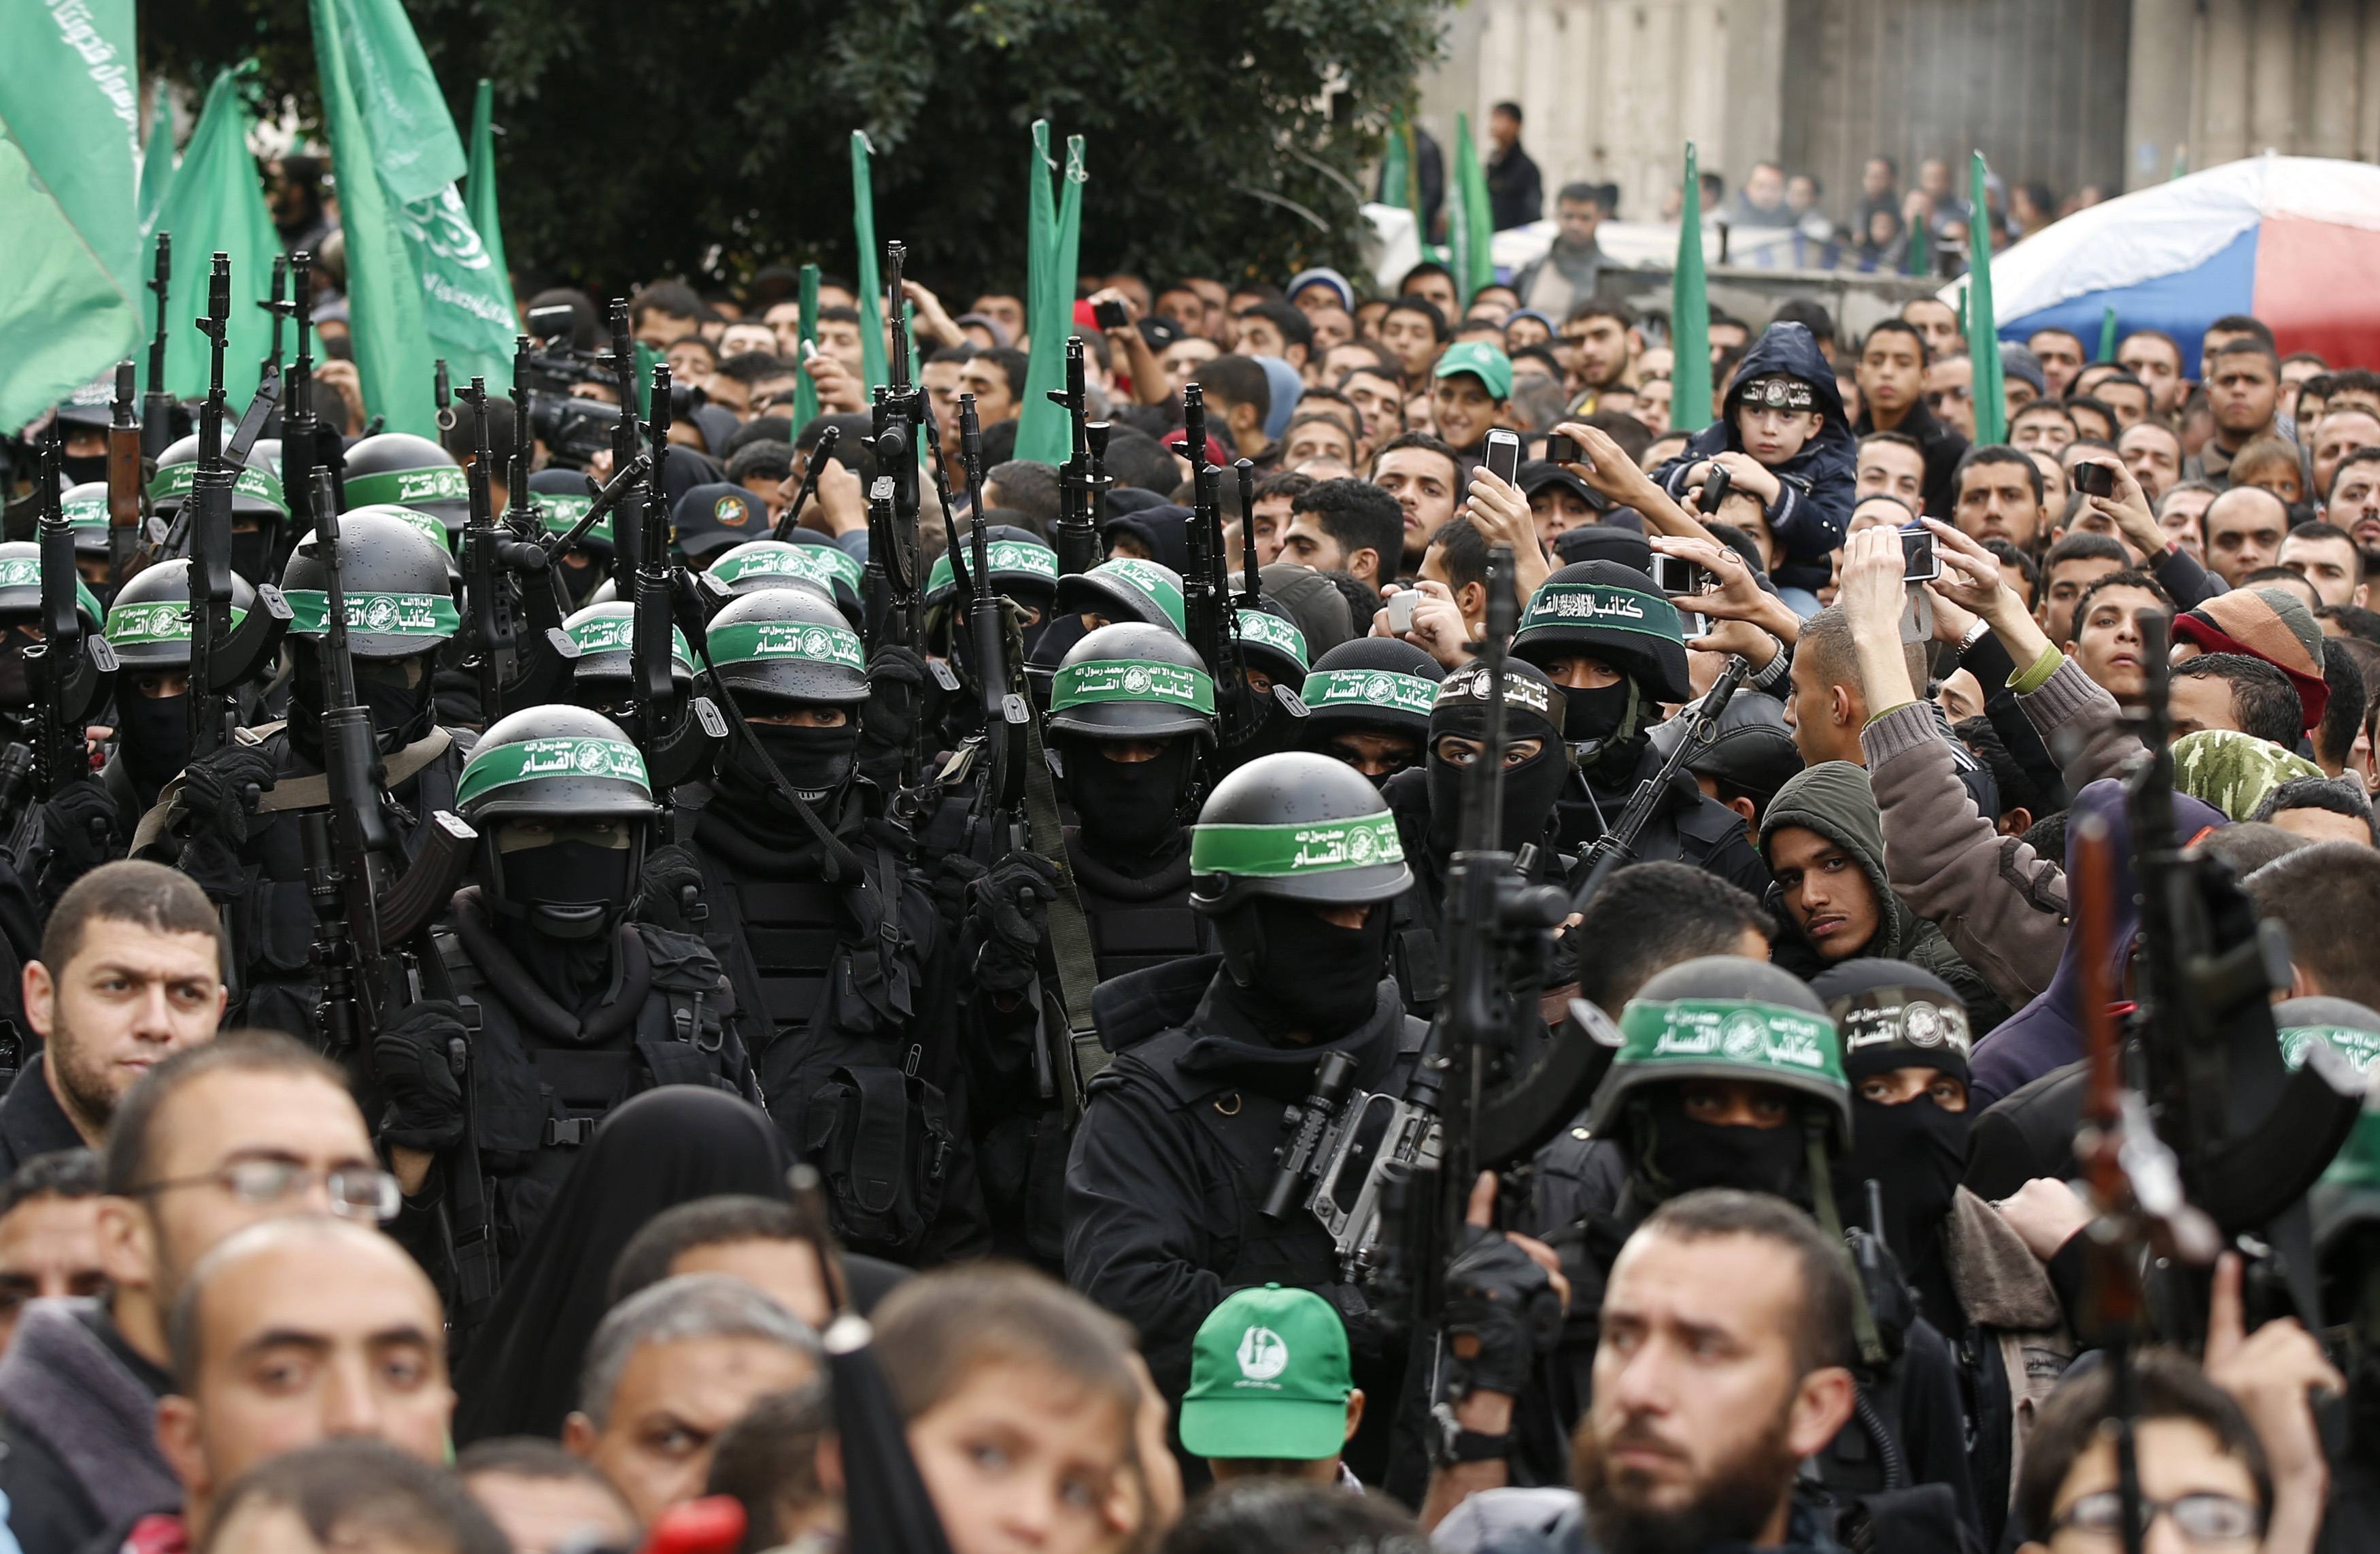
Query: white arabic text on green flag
point(420, 282)
point(215, 205)
point(69, 166)
point(157, 159)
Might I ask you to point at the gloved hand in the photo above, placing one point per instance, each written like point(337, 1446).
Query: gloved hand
point(670, 872)
point(220, 791)
point(1008, 919)
point(1498, 1295)
point(954, 878)
point(896, 683)
point(78, 826)
point(412, 1061)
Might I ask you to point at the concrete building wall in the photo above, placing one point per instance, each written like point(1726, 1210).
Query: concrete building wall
point(2214, 81)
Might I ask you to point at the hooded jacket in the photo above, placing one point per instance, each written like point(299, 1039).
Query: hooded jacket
point(1833, 799)
point(1163, 533)
point(1814, 498)
point(2048, 1033)
point(78, 1451)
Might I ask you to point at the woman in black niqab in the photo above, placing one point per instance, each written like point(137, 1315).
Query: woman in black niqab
point(659, 1149)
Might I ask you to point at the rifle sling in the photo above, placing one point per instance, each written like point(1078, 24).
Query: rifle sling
point(1070, 933)
point(290, 793)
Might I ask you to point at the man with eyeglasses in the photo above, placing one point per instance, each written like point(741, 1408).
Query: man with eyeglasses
point(295, 1333)
point(127, 976)
point(248, 1127)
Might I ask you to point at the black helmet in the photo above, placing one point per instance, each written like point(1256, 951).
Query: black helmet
point(1724, 1017)
point(1371, 683)
point(829, 571)
point(1023, 567)
point(1752, 750)
point(411, 472)
point(149, 622)
point(428, 524)
point(1126, 589)
point(20, 584)
point(1298, 826)
point(396, 581)
point(86, 512)
point(554, 761)
point(604, 634)
point(1893, 1014)
point(258, 489)
point(788, 643)
point(1133, 682)
point(1273, 645)
point(562, 498)
point(574, 771)
point(1616, 613)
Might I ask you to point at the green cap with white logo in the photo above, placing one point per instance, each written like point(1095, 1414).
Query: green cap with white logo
point(1269, 1379)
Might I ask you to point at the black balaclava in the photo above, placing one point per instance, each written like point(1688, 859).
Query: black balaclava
point(15, 686)
point(1533, 709)
point(153, 736)
point(818, 762)
point(1605, 727)
point(401, 713)
point(83, 469)
point(251, 553)
point(1894, 1015)
point(568, 888)
point(1677, 1154)
point(1305, 974)
point(1130, 809)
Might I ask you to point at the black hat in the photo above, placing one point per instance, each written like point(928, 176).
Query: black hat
point(1616, 613)
point(1605, 541)
point(711, 517)
point(1893, 1014)
point(1543, 474)
point(1371, 683)
point(1533, 705)
point(1750, 750)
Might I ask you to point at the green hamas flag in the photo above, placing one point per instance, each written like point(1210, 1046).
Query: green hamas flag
point(1983, 336)
point(480, 182)
point(1401, 176)
point(806, 399)
point(872, 279)
point(1471, 231)
point(420, 284)
point(216, 206)
point(1690, 363)
point(2107, 333)
point(157, 163)
point(1053, 235)
point(69, 160)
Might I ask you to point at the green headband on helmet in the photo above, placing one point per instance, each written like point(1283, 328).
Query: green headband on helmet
point(616, 633)
point(561, 513)
point(1383, 689)
point(820, 563)
point(1599, 607)
point(1131, 680)
point(1011, 556)
point(25, 572)
point(504, 765)
point(175, 480)
point(428, 616)
point(1295, 847)
point(807, 642)
point(1741, 1033)
point(440, 482)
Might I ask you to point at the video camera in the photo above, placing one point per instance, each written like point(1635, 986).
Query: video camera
point(574, 429)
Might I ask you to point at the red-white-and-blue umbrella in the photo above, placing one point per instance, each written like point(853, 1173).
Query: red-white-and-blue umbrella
point(2294, 240)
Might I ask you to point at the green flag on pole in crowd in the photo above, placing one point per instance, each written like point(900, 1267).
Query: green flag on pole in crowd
point(1919, 252)
point(806, 399)
point(70, 166)
point(2107, 333)
point(216, 206)
point(480, 182)
point(1983, 336)
point(1053, 238)
point(871, 280)
point(1690, 366)
point(420, 283)
point(1401, 182)
point(157, 161)
point(1471, 233)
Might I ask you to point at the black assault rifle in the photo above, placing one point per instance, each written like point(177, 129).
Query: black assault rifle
point(1083, 479)
point(502, 576)
point(157, 404)
point(371, 910)
point(71, 671)
point(1616, 847)
point(220, 657)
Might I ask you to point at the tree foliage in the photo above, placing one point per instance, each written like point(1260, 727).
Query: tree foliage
point(651, 137)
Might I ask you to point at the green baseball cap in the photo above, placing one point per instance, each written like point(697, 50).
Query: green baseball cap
point(1483, 361)
point(1268, 1378)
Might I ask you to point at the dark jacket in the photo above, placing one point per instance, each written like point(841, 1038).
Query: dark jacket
point(1815, 487)
point(1834, 799)
point(1944, 445)
point(2048, 1033)
point(31, 1121)
point(1688, 826)
point(78, 1449)
point(1516, 194)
